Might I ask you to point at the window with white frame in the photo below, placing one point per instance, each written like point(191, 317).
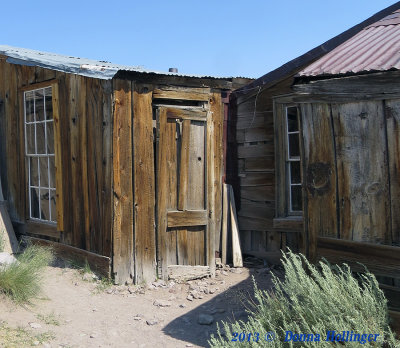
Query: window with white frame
point(39, 151)
point(293, 163)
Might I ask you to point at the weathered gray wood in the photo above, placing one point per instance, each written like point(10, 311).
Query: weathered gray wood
point(225, 215)
point(392, 115)
point(187, 218)
point(364, 208)
point(181, 273)
point(381, 260)
point(236, 250)
point(319, 163)
point(98, 263)
point(8, 239)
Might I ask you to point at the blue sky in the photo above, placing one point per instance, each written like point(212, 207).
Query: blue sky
point(207, 37)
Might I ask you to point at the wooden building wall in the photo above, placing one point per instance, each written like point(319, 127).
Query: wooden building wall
point(139, 175)
point(252, 168)
point(85, 115)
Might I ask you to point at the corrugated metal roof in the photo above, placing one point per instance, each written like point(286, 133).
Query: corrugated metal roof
point(74, 65)
point(375, 48)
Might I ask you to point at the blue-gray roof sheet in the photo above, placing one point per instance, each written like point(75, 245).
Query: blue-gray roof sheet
point(74, 65)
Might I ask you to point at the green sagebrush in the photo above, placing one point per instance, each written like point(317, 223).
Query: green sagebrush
point(314, 300)
point(22, 280)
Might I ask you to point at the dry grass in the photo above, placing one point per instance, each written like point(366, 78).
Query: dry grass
point(22, 280)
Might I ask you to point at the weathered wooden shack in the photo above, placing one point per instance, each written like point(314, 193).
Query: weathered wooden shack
point(122, 163)
point(318, 154)
point(267, 174)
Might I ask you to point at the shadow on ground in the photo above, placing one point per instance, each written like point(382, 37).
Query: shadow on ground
point(230, 305)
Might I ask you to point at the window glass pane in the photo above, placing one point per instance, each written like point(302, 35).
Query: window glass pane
point(48, 104)
point(44, 204)
point(44, 174)
point(40, 138)
point(296, 198)
point(29, 110)
point(35, 203)
point(52, 172)
point(293, 124)
point(34, 173)
point(53, 205)
point(294, 150)
point(295, 176)
point(39, 105)
point(50, 137)
point(30, 139)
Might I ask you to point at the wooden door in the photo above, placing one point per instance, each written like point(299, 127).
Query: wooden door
point(182, 210)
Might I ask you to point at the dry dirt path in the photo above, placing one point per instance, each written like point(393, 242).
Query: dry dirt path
point(79, 314)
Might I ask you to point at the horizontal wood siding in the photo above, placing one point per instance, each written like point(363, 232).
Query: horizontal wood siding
point(251, 138)
point(85, 129)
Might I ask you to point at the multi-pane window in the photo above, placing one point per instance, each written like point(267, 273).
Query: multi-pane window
point(39, 151)
point(293, 160)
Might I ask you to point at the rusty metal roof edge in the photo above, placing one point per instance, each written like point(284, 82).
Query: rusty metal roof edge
point(316, 52)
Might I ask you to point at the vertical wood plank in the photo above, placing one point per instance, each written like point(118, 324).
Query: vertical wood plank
point(165, 163)
point(319, 163)
point(58, 159)
point(83, 145)
point(196, 190)
point(362, 171)
point(184, 166)
point(225, 212)
point(144, 185)
point(123, 267)
point(107, 194)
point(73, 84)
point(94, 162)
point(214, 174)
point(392, 114)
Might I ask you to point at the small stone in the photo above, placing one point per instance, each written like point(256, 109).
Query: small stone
point(94, 310)
point(189, 345)
point(182, 305)
point(159, 283)
point(195, 294)
point(236, 270)
point(35, 343)
point(151, 322)
point(222, 282)
point(152, 287)
point(172, 291)
point(6, 259)
point(225, 273)
point(189, 298)
point(137, 317)
point(212, 290)
point(205, 319)
point(131, 290)
point(161, 303)
point(35, 325)
point(87, 277)
point(93, 335)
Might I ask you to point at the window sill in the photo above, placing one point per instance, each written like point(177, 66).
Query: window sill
point(38, 228)
point(288, 224)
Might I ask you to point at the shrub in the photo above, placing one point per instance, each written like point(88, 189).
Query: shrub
point(22, 280)
point(313, 300)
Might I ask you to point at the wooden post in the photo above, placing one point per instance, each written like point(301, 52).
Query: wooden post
point(225, 214)
point(9, 241)
point(236, 250)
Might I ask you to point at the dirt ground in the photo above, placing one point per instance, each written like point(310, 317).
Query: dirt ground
point(79, 311)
